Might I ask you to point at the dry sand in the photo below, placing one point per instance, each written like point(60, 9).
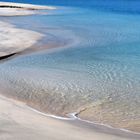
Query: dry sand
point(26, 6)
point(13, 40)
point(15, 12)
point(18, 122)
point(18, 9)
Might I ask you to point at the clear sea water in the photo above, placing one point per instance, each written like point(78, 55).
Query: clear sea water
point(98, 61)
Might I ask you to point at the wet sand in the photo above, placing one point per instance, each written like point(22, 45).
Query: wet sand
point(97, 114)
point(19, 122)
point(11, 37)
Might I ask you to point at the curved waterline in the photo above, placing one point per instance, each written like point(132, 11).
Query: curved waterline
point(99, 73)
point(73, 117)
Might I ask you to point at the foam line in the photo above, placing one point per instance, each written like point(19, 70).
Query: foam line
point(72, 116)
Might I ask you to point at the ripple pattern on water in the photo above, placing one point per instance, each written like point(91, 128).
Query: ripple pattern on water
point(100, 72)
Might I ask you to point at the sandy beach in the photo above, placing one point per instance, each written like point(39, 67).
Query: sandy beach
point(18, 9)
point(26, 6)
point(11, 39)
point(19, 122)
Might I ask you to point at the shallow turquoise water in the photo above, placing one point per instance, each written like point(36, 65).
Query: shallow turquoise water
point(100, 61)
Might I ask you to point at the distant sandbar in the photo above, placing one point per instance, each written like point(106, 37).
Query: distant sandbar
point(18, 9)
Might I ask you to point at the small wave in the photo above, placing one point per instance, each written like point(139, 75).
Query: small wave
point(73, 116)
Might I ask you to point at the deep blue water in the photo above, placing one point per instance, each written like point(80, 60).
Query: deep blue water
point(100, 63)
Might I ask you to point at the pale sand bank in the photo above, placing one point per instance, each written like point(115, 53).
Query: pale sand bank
point(30, 6)
point(13, 40)
point(17, 121)
point(18, 9)
point(15, 12)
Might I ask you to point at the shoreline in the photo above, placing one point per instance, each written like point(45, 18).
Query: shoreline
point(26, 6)
point(72, 117)
point(35, 37)
point(4, 58)
point(12, 37)
point(21, 9)
point(7, 56)
point(96, 130)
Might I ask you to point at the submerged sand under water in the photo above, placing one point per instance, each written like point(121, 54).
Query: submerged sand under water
point(19, 122)
point(43, 82)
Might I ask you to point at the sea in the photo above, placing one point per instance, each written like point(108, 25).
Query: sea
point(94, 64)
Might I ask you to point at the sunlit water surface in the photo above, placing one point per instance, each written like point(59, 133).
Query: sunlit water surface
point(98, 62)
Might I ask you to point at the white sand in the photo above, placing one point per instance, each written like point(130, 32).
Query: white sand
point(27, 9)
point(17, 122)
point(15, 12)
point(14, 40)
point(38, 7)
